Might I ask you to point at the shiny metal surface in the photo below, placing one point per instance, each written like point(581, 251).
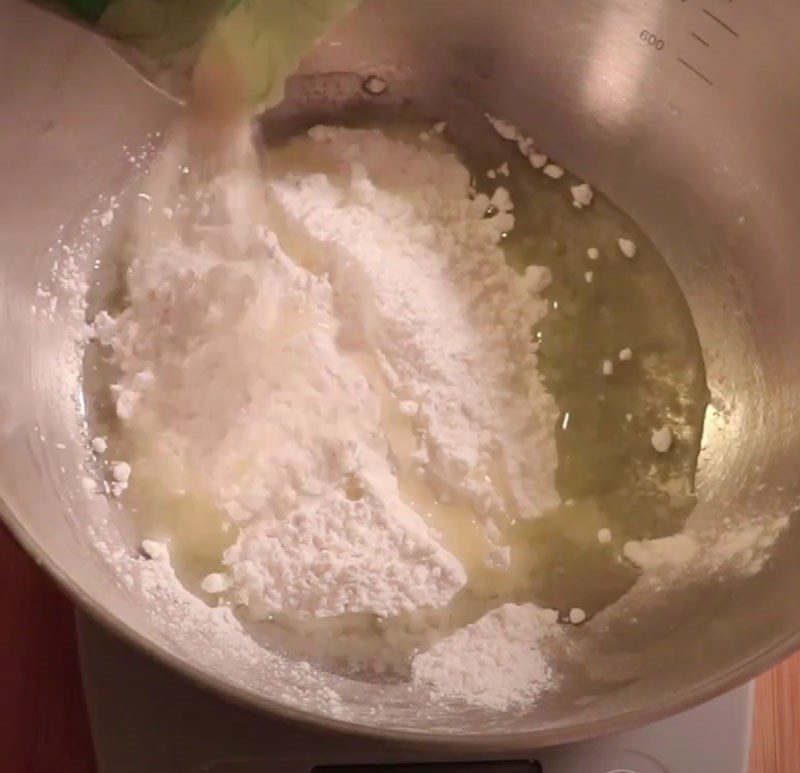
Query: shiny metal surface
point(129, 736)
point(686, 118)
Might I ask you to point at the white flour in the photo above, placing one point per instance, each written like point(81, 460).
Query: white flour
point(317, 390)
point(495, 662)
point(679, 549)
point(419, 278)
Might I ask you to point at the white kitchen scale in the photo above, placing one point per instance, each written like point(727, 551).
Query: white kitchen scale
point(147, 719)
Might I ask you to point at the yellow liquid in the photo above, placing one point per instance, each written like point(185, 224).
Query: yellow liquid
point(609, 475)
point(172, 506)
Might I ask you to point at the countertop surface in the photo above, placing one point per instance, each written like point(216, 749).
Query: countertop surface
point(44, 727)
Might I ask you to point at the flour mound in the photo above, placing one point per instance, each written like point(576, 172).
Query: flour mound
point(334, 556)
point(496, 662)
point(676, 550)
point(269, 339)
point(420, 277)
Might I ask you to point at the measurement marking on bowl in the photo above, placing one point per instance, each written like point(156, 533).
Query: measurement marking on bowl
point(720, 22)
point(695, 71)
point(701, 40)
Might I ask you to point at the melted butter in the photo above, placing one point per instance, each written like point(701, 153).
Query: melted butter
point(175, 507)
point(609, 475)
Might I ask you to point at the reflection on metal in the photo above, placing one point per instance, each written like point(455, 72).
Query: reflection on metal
point(616, 67)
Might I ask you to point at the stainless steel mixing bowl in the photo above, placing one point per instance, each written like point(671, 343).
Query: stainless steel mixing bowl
point(686, 114)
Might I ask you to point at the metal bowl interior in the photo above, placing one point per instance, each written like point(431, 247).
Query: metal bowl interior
point(697, 141)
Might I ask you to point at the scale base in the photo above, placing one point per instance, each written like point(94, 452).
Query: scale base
point(145, 717)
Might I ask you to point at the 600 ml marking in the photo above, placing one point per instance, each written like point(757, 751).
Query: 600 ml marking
point(652, 40)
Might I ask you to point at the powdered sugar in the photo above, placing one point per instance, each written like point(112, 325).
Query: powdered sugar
point(306, 396)
point(332, 556)
point(497, 661)
point(418, 269)
point(679, 549)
